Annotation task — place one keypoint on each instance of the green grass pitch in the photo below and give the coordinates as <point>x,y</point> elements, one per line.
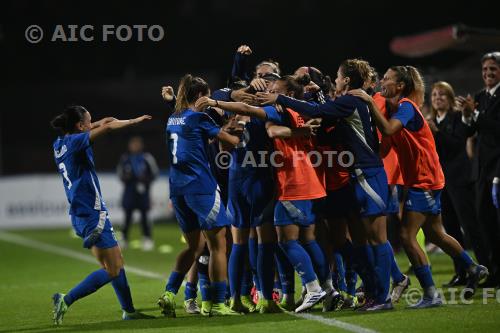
<point>31,273</point>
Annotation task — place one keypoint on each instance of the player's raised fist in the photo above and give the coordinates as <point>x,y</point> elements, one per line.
<point>167,93</point>
<point>244,49</point>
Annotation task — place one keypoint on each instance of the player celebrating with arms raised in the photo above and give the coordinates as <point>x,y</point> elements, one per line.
<point>89,216</point>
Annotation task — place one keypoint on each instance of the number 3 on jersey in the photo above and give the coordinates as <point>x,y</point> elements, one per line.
<point>174,137</point>
<point>62,167</point>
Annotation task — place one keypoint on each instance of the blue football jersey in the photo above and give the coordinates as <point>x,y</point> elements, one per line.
<point>188,133</point>
<point>75,162</point>
<point>251,155</point>
<point>354,125</point>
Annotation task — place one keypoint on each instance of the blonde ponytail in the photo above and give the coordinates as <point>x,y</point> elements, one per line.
<point>182,102</point>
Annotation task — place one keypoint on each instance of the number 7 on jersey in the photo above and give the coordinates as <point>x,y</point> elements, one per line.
<point>174,137</point>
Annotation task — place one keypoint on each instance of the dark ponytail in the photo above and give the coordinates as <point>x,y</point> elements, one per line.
<point>189,90</point>
<point>414,88</point>
<point>295,85</point>
<point>66,121</point>
<point>303,80</point>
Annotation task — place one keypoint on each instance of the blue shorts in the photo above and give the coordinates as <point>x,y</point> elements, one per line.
<point>371,189</point>
<point>395,197</point>
<point>424,201</point>
<point>298,212</point>
<point>340,202</point>
<point>84,225</point>
<point>199,211</point>
<point>246,206</point>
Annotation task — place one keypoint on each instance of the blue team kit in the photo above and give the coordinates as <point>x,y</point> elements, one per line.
<point>193,188</point>
<point>75,161</point>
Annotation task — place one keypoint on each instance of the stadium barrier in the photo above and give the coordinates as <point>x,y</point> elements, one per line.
<point>38,201</point>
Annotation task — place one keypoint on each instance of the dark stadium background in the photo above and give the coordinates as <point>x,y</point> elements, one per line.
<point>124,79</point>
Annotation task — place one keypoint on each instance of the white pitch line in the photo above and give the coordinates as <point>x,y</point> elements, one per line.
<point>65,252</point>
<point>333,322</point>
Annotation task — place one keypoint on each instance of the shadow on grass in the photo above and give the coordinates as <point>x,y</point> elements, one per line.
<point>183,322</point>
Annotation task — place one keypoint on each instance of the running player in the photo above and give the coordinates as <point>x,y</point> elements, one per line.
<point>413,142</point>
<point>89,216</point>
<point>194,194</point>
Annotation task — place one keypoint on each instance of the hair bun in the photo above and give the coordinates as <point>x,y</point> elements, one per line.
<point>304,79</point>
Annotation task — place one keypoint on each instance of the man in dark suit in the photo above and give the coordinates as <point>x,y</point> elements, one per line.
<point>483,114</point>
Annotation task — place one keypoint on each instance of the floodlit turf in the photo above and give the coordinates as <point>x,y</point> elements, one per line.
<point>29,277</point>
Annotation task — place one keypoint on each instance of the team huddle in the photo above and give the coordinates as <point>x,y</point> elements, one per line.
<point>315,167</point>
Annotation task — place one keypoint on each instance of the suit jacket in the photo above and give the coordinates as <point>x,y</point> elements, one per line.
<point>487,126</point>
<point>450,145</point>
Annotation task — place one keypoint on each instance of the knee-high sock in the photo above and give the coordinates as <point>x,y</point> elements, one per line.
<point>236,265</point>
<point>190,291</point>
<point>89,285</point>
<point>285,271</point>
<point>383,258</point>
<point>174,282</point>
<point>339,272</point>
<point>396,274</point>
<point>424,276</point>
<point>253,249</point>
<point>219,291</point>
<point>204,282</point>
<point>265,269</point>
<point>247,281</point>
<point>122,290</point>
<point>364,261</point>
<point>318,260</point>
<point>300,260</point>
<point>351,276</point>
<point>464,261</point>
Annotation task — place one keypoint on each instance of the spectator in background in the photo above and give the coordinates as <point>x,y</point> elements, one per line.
<point>482,113</point>
<point>457,199</point>
<point>137,170</point>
